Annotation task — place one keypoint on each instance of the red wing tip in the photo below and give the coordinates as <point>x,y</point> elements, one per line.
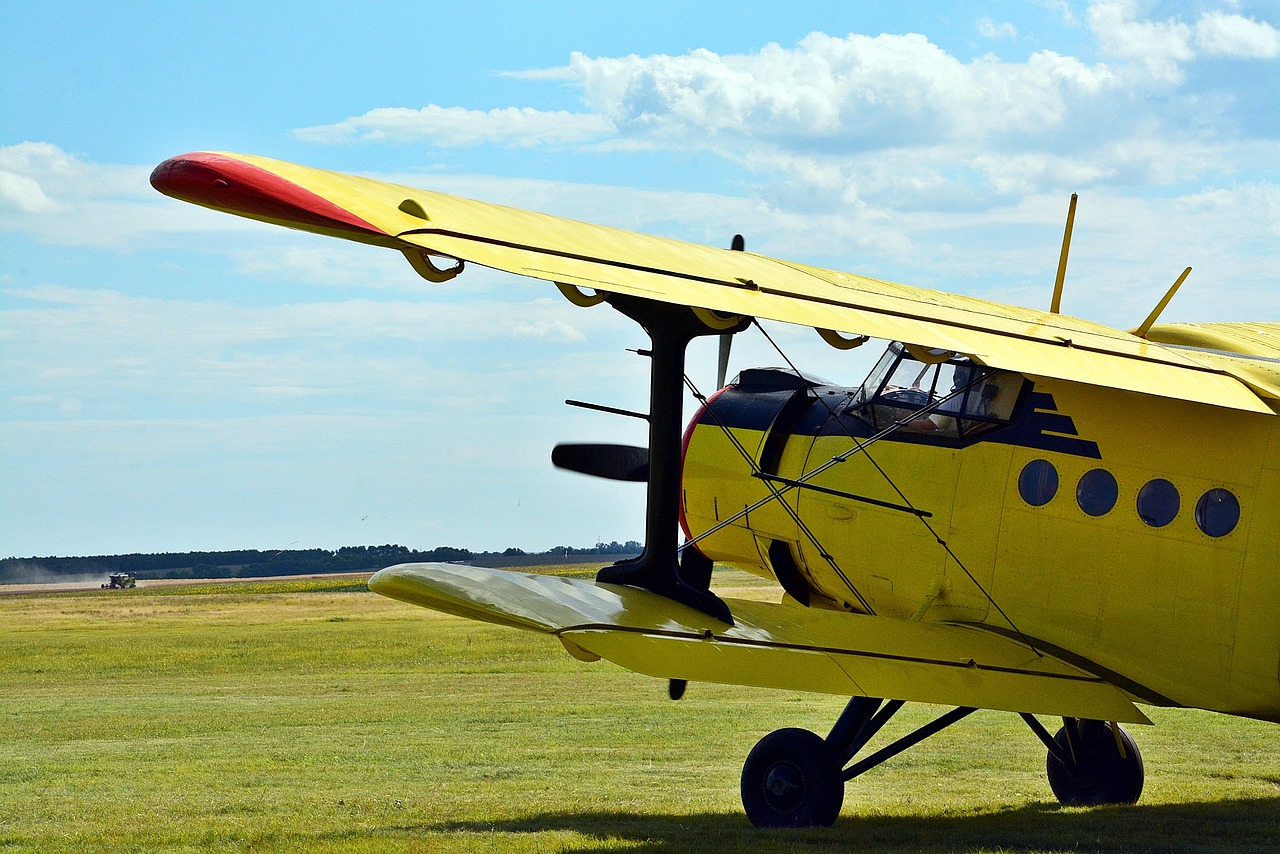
<point>163,176</point>
<point>197,170</point>
<point>227,183</point>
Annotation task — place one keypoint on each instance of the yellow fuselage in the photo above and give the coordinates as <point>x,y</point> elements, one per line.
<point>1171,614</point>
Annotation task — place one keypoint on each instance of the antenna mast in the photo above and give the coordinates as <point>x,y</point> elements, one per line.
<point>1142,330</point>
<point>1056,306</point>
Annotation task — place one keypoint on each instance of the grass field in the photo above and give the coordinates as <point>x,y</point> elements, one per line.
<point>313,715</point>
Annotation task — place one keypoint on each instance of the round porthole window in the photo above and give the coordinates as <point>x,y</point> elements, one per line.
<point>1038,482</point>
<point>1097,492</point>
<point>1217,512</point>
<point>1158,503</point>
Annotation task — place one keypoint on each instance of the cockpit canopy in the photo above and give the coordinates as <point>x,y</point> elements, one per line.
<point>936,393</point>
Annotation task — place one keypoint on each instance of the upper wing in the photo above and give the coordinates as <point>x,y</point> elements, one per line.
<point>617,261</point>
<point>769,646</point>
<point>1250,352</point>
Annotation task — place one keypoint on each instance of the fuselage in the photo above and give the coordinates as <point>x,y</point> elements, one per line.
<point>1136,536</point>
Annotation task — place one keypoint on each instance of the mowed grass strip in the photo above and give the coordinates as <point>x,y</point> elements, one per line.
<point>314,715</point>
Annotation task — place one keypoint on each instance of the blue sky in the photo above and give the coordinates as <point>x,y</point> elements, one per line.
<point>174,379</point>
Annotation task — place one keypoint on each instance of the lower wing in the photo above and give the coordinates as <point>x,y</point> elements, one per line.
<point>769,646</point>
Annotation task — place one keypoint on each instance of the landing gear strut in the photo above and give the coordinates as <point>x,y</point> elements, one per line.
<point>795,778</point>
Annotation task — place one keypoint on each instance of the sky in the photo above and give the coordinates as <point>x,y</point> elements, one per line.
<point>173,379</point>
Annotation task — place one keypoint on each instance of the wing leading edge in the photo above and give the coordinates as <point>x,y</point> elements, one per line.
<point>616,261</point>
<point>770,646</point>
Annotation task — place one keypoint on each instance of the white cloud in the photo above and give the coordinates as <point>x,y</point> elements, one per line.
<point>1023,174</point>
<point>1062,9</point>
<point>24,193</point>
<point>989,29</point>
<point>856,93</point>
<point>1159,46</point>
<point>1163,47</point>
<point>62,174</point>
<point>456,126</point>
<point>553,329</point>
<point>326,262</point>
<point>1220,34</point>
<point>852,93</point>
<point>41,158</point>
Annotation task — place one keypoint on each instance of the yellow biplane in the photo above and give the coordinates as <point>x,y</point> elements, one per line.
<point>1017,510</point>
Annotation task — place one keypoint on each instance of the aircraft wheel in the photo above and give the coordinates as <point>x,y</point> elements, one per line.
<point>1100,774</point>
<point>792,779</point>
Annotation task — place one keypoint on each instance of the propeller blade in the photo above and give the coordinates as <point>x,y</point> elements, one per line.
<point>722,366</point>
<point>614,462</point>
<point>738,244</point>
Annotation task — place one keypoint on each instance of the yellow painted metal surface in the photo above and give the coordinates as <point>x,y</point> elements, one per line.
<point>1246,339</point>
<point>1162,605</point>
<point>772,646</point>
<point>1249,351</point>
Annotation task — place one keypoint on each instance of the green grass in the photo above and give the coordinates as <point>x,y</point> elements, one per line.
<point>314,715</point>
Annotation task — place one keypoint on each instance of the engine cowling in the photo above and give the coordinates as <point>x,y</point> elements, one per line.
<point>751,429</point>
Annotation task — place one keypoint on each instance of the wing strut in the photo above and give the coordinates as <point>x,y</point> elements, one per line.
<point>663,567</point>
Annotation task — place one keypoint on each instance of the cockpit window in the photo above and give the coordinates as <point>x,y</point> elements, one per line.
<point>968,398</point>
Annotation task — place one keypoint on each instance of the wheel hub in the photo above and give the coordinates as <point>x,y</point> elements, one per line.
<point>784,787</point>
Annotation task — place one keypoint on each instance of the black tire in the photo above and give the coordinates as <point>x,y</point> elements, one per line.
<point>1100,774</point>
<point>792,779</point>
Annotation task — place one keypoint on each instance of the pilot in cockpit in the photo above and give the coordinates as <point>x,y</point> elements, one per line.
<point>966,396</point>
<point>972,397</point>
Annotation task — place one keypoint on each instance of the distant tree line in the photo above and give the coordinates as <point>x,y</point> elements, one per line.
<point>613,548</point>
<point>252,563</point>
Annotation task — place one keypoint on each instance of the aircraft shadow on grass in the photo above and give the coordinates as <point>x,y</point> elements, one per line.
<point>1246,825</point>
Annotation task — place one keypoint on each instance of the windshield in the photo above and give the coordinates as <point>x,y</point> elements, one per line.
<point>970,398</point>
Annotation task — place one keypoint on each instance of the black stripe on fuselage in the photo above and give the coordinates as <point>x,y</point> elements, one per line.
<point>1037,423</point>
